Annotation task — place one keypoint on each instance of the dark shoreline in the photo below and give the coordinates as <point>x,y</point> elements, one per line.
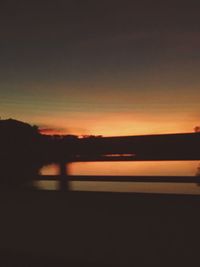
<point>45,228</point>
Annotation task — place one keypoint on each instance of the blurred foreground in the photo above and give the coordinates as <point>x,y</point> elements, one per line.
<point>43,228</point>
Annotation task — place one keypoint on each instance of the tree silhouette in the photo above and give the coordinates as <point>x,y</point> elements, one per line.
<point>197,129</point>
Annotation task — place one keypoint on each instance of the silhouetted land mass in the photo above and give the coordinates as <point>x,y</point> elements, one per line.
<point>18,152</point>
<point>24,150</point>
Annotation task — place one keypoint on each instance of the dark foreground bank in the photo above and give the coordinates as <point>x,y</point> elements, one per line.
<point>98,229</point>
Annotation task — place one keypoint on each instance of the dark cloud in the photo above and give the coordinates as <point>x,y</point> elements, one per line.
<point>51,131</point>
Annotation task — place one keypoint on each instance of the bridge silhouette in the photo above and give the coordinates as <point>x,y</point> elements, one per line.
<point>168,147</point>
<point>24,151</point>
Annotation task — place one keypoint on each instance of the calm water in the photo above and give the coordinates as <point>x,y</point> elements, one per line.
<point>165,168</point>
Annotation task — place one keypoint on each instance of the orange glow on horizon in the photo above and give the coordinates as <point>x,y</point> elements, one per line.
<point>121,124</point>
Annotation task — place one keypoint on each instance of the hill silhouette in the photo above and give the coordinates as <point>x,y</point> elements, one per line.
<point>18,152</point>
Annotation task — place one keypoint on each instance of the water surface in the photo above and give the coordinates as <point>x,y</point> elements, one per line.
<point>150,168</point>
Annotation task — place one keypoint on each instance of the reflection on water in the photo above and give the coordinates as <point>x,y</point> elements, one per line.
<point>46,185</point>
<point>165,168</point>
<point>51,169</point>
<point>166,188</point>
<point>149,168</point>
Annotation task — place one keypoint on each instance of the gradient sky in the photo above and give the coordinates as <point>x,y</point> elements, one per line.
<point>101,67</point>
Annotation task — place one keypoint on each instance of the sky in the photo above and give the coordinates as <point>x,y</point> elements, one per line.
<point>98,67</point>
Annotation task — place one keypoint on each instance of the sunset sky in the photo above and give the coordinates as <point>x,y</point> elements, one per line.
<point>101,67</point>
